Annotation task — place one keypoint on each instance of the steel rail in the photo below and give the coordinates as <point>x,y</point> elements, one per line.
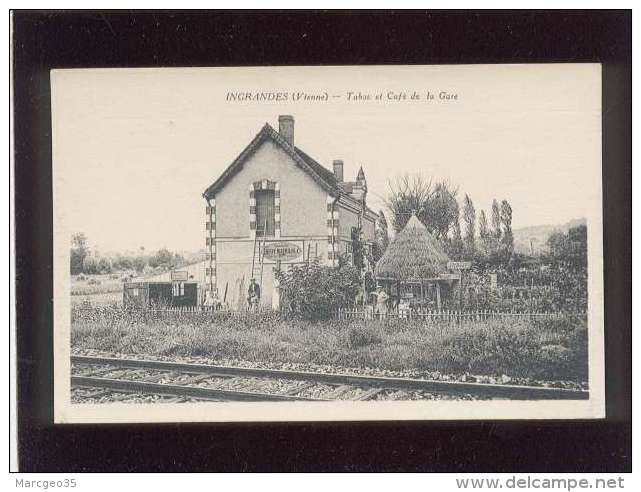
<point>129,386</point>
<point>483,390</point>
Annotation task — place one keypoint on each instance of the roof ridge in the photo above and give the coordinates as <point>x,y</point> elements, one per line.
<point>414,223</point>
<point>414,252</point>
<point>318,172</point>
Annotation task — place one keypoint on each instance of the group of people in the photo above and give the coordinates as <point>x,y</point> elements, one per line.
<point>381,298</point>
<point>380,301</point>
<point>253,296</point>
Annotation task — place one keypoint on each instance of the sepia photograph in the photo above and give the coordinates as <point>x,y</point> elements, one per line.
<point>328,243</point>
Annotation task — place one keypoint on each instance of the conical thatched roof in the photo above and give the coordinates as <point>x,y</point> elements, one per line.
<point>414,254</point>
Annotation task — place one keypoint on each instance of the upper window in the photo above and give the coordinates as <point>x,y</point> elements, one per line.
<point>265,212</point>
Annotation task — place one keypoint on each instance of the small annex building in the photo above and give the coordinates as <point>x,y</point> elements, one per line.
<point>148,294</point>
<point>414,266</point>
<point>275,206</point>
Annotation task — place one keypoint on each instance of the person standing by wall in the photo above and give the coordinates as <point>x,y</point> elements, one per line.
<point>253,294</point>
<point>276,292</point>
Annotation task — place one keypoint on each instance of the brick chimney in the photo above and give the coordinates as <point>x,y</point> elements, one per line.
<point>338,170</point>
<point>286,128</point>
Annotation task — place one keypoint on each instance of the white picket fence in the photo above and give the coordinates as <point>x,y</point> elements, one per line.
<point>366,313</point>
<point>440,315</point>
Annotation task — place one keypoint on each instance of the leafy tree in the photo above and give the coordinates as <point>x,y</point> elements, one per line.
<point>178,260</point>
<point>79,251</point>
<point>579,234</point>
<point>104,265</point>
<point>484,232</point>
<point>507,239</point>
<point>121,262</point>
<point>90,265</point>
<point>496,219</point>
<point>440,213</point>
<point>139,263</point>
<point>469,217</point>
<point>358,251</point>
<point>454,246</point>
<point>572,247</point>
<point>558,243</point>
<point>163,258</point>
<point>381,236</point>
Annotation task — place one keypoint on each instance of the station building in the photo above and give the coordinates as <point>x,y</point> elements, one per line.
<point>276,206</point>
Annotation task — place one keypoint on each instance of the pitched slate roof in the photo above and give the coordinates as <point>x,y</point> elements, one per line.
<point>321,170</point>
<point>324,177</point>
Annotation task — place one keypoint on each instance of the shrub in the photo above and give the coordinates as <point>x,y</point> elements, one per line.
<point>360,336</point>
<point>313,292</point>
<point>93,281</point>
<point>495,348</point>
<point>485,350</point>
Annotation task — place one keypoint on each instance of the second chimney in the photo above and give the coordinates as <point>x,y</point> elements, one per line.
<point>338,170</point>
<point>286,128</point>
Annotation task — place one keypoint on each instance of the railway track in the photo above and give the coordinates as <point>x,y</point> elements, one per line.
<point>105,379</point>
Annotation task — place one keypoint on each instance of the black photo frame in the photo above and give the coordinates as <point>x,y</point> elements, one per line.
<point>44,40</point>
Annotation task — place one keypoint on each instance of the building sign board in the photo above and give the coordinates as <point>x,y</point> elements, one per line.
<point>282,251</point>
<point>459,265</point>
<point>450,276</point>
<point>179,276</point>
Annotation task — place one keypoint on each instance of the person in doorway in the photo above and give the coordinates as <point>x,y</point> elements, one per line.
<point>381,302</point>
<point>253,294</point>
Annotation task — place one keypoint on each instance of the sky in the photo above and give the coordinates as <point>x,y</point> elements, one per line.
<point>134,149</point>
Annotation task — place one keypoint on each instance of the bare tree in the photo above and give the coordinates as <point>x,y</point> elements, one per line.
<point>441,211</point>
<point>407,194</point>
<point>434,205</point>
<point>79,251</point>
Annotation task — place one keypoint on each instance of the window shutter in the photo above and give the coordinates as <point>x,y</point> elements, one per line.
<point>265,213</point>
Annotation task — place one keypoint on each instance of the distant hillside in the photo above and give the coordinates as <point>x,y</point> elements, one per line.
<point>539,235</point>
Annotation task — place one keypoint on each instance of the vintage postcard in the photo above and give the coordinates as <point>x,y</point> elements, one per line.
<point>328,243</point>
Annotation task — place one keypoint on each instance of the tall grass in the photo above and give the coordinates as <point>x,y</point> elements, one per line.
<point>82,285</point>
<point>551,349</point>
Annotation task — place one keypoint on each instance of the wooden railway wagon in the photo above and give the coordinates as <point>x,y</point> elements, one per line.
<point>143,295</point>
